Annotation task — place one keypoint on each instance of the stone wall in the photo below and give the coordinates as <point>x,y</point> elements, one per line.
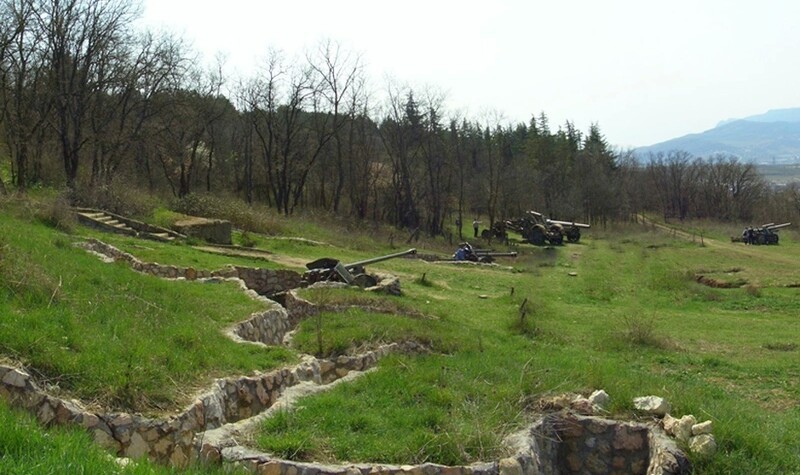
<point>560,442</point>
<point>591,446</point>
<point>263,281</point>
<point>172,440</point>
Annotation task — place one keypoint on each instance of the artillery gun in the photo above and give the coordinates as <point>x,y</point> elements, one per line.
<point>765,235</point>
<point>466,252</point>
<point>538,230</point>
<point>327,268</point>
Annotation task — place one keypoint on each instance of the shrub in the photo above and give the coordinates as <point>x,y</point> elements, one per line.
<point>641,331</point>
<point>523,323</point>
<point>247,240</point>
<point>118,198</point>
<point>246,217</point>
<point>753,290</point>
<point>57,213</point>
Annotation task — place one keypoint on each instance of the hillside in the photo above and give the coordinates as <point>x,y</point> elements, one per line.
<point>769,138</point>
<point>486,346</point>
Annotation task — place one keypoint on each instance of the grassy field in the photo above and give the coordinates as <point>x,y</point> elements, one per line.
<point>620,311</point>
<point>106,334</point>
<point>632,321</point>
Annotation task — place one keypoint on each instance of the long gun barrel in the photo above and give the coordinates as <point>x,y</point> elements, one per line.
<point>569,223</point>
<point>487,252</point>
<point>773,227</point>
<point>380,259</point>
<point>325,268</point>
<point>329,263</point>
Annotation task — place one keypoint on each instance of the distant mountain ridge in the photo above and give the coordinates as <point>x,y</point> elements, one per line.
<point>772,137</point>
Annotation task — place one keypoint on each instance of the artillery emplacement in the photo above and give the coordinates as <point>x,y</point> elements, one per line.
<point>329,269</point>
<point>764,235</point>
<point>538,230</point>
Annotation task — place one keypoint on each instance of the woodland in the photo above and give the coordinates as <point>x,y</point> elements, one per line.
<point>94,105</point>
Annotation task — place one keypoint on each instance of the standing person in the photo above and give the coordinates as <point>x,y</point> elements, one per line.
<point>475,225</point>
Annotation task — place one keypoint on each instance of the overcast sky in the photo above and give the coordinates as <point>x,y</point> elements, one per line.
<point>644,71</point>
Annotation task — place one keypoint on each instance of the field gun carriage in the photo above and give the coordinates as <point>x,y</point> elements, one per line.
<point>536,229</point>
<point>466,252</point>
<point>765,235</point>
<point>329,269</point>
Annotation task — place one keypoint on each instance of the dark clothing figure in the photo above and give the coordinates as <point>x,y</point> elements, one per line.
<point>475,225</point>
<point>749,236</point>
<point>464,252</point>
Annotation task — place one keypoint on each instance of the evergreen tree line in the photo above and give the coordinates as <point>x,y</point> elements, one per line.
<point>91,103</point>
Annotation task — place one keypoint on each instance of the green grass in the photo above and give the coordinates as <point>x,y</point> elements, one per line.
<point>26,448</point>
<point>177,253</point>
<point>103,332</point>
<point>632,320</point>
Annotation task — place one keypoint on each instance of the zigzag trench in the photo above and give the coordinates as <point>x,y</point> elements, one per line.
<point>207,430</point>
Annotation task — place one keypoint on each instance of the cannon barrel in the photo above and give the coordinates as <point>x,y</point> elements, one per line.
<point>773,227</point>
<point>483,252</point>
<point>767,225</point>
<point>380,259</point>
<point>569,223</point>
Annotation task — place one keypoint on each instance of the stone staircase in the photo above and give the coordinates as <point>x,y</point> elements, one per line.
<point>115,223</point>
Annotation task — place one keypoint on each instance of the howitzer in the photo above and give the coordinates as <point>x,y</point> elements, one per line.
<point>766,234</point>
<point>328,268</point>
<point>538,230</point>
<point>773,226</point>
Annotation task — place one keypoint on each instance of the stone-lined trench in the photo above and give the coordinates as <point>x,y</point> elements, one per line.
<point>207,429</point>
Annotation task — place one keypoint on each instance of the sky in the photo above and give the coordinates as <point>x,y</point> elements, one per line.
<point>643,71</point>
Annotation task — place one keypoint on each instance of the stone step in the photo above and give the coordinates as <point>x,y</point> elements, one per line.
<point>162,236</point>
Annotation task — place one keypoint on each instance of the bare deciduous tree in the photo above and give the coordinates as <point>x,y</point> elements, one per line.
<point>81,37</point>
<point>23,100</point>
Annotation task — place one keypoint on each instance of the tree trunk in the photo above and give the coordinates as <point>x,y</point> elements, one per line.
<point>22,166</point>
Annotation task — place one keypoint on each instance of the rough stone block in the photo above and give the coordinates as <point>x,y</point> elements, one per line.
<point>703,445</point>
<point>628,438</point>
<point>270,468</point>
<point>510,466</point>
<point>178,458</point>
<point>706,427</point>
<point>600,399</point>
<point>16,378</point>
<point>216,231</point>
<point>654,405</point>
<point>138,447</point>
<point>104,439</point>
